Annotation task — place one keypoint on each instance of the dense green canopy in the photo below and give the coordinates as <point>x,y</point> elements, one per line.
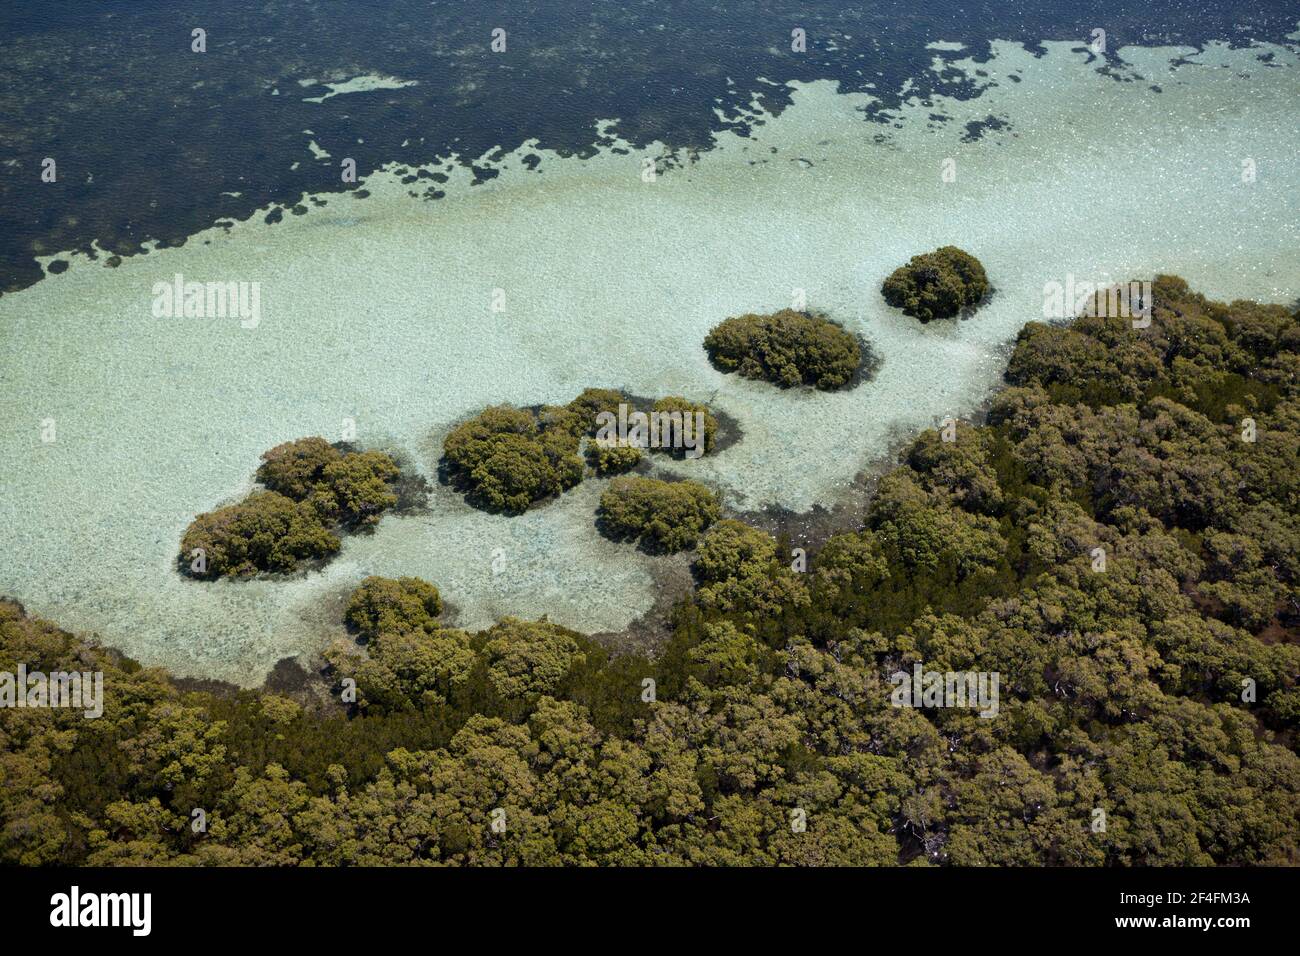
<point>937,285</point>
<point>667,516</point>
<point>786,348</point>
<point>264,532</point>
<point>1119,547</point>
<point>313,488</point>
<point>512,457</point>
<point>509,459</point>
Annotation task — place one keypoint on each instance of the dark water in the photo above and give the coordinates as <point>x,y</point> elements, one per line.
<point>149,137</point>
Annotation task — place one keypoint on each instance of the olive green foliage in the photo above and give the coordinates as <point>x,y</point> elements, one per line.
<point>672,440</point>
<point>610,458</point>
<point>667,516</point>
<point>294,468</point>
<point>387,604</point>
<point>525,658</point>
<point>786,348</point>
<point>605,457</point>
<point>409,659</point>
<point>1121,682</point>
<point>509,459</point>
<point>591,403</point>
<point>740,573</point>
<point>264,532</point>
<point>349,487</point>
<point>313,486</point>
<point>937,285</point>
<point>356,489</point>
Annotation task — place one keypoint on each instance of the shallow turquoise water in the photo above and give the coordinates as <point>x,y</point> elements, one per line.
<point>381,312</point>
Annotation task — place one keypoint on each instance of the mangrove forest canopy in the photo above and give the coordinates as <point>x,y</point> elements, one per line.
<point>1119,541</point>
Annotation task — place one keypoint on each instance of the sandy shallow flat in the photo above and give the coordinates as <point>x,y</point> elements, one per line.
<point>380,311</point>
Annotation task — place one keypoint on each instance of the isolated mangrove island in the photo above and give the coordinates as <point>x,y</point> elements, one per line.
<point>937,285</point>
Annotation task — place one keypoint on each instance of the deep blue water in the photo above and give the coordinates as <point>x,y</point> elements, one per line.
<point>150,138</point>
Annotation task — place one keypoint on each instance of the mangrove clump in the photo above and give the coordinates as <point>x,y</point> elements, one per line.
<point>508,459</point>
<point>312,488</point>
<point>666,516</point>
<point>937,285</point>
<point>786,348</point>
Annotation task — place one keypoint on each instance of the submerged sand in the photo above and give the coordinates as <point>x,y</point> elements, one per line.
<point>381,311</point>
